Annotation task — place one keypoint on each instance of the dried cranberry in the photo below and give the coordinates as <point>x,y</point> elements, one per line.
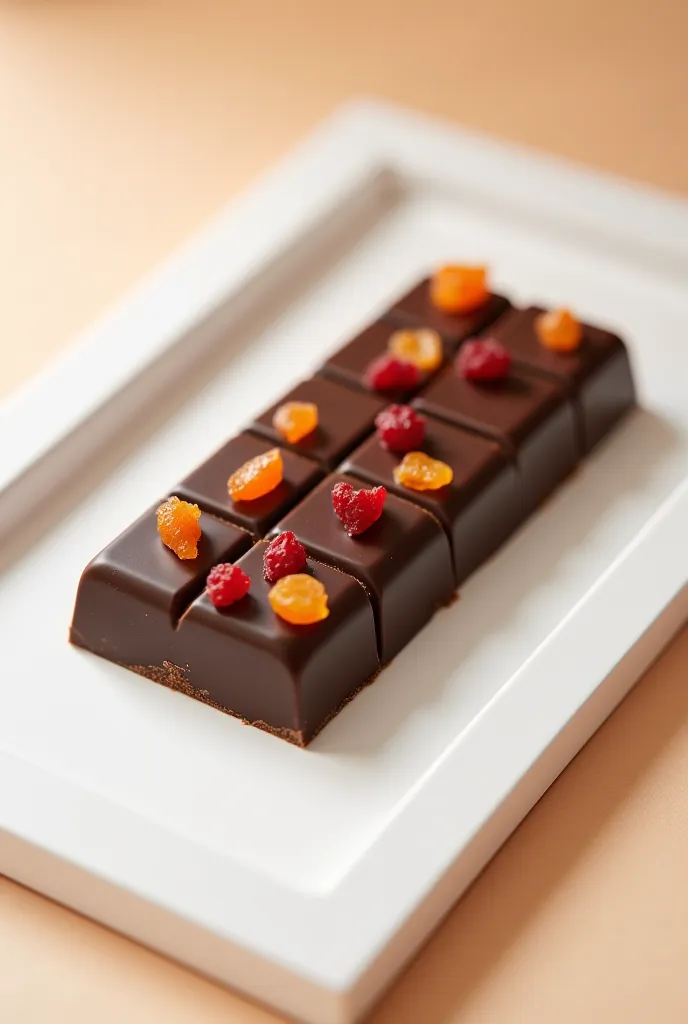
<point>483,359</point>
<point>400,428</point>
<point>387,373</point>
<point>284,556</point>
<point>226,584</point>
<point>358,510</point>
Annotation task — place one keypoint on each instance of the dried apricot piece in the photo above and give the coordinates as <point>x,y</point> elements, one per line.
<point>178,526</point>
<point>559,330</point>
<point>422,347</point>
<point>299,599</point>
<point>295,420</point>
<point>257,477</point>
<point>419,472</point>
<point>459,289</point>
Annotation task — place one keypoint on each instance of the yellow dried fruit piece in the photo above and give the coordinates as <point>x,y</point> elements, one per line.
<point>423,348</point>
<point>559,331</point>
<point>299,599</point>
<point>295,420</point>
<point>419,472</point>
<point>257,477</point>
<point>178,526</point>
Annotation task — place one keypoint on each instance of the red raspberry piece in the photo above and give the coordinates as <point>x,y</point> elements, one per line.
<point>284,556</point>
<point>400,428</point>
<point>387,373</point>
<point>226,584</point>
<point>358,510</point>
<point>483,359</point>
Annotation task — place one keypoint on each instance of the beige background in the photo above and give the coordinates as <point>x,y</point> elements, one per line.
<point>122,127</point>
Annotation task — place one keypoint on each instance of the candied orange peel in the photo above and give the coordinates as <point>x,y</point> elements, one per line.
<point>178,526</point>
<point>422,347</point>
<point>559,330</point>
<point>299,599</point>
<point>459,289</point>
<point>257,477</point>
<point>295,420</point>
<point>419,472</point>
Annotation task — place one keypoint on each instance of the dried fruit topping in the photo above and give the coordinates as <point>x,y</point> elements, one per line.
<point>295,420</point>
<point>358,510</point>
<point>283,556</point>
<point>559,331</point>
<point>400,428</point>
<point>387,373</point>
<point>422,347</point>
<point>178,526</point>
<point>459,289</point>
<point>226,584</point>
<point>299,599</point>
<point>483,359</point>
<point>419,472</point>
<point>257,477</point>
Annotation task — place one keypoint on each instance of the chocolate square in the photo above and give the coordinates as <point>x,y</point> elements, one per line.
<point>207,485</point>
<point>479,509</point>
<point>598,374</point>
<point>287,679</point>
<point>403,560</point>
<point>345,417</point>
<point>132,594</point>
<point>349,363</point>
<point>416,309</point>
<point>530,415</point>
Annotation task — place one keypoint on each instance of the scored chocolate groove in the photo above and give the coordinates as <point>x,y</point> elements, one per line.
<point>508,443</point>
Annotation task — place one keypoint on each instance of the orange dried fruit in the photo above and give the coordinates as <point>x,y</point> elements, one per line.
<point>257,477</point>
<point>299,599</point>
<point>422,347</point>
<point>419,472</point>
<point>459,289</point>
<point>178,526</point>
<point>559,330</point>
<point>295,420</point>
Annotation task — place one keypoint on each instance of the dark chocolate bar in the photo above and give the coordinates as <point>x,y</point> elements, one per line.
<point>416,309</point>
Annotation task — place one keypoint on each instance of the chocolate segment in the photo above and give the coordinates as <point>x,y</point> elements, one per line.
<point>598,374</point>
<point>132,593</point>
<point>403,560</point>
<point>289,679</point>
<point>529,415</point>
<point>350,363</point>
<point>345,417</point>
<point>207,485</point>
<point>479,509</point>
<point>416,309</point>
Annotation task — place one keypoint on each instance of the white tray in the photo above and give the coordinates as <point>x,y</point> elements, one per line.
<point>307,878</point>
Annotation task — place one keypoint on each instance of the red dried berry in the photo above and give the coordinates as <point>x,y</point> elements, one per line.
<point>400,428</point>
<point>358,510</point>
<point>483,359</point>
<point>226,584</point>
<point>284,556</point>
<point>387,373</point>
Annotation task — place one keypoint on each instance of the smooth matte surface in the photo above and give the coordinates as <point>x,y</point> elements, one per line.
<point>416,309</point>
<point>115,125</point>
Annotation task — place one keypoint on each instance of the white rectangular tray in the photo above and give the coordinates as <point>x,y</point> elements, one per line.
<point>307,878</point>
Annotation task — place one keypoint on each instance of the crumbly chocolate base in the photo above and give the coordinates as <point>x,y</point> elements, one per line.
<point>175,678</point>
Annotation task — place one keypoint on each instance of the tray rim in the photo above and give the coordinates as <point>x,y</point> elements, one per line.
<point>330,962</point>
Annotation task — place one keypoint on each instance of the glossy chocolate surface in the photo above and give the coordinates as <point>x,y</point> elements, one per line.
<point>403,560</point>
<point>207,485</point>
<point>598,373</point>
<point>132,593</point>
<point>290,679</point>
<point>479,509</point>
<point>415,308</point>
<point>345,418</point>
<point>349,363</point>
<point>530,415</point>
